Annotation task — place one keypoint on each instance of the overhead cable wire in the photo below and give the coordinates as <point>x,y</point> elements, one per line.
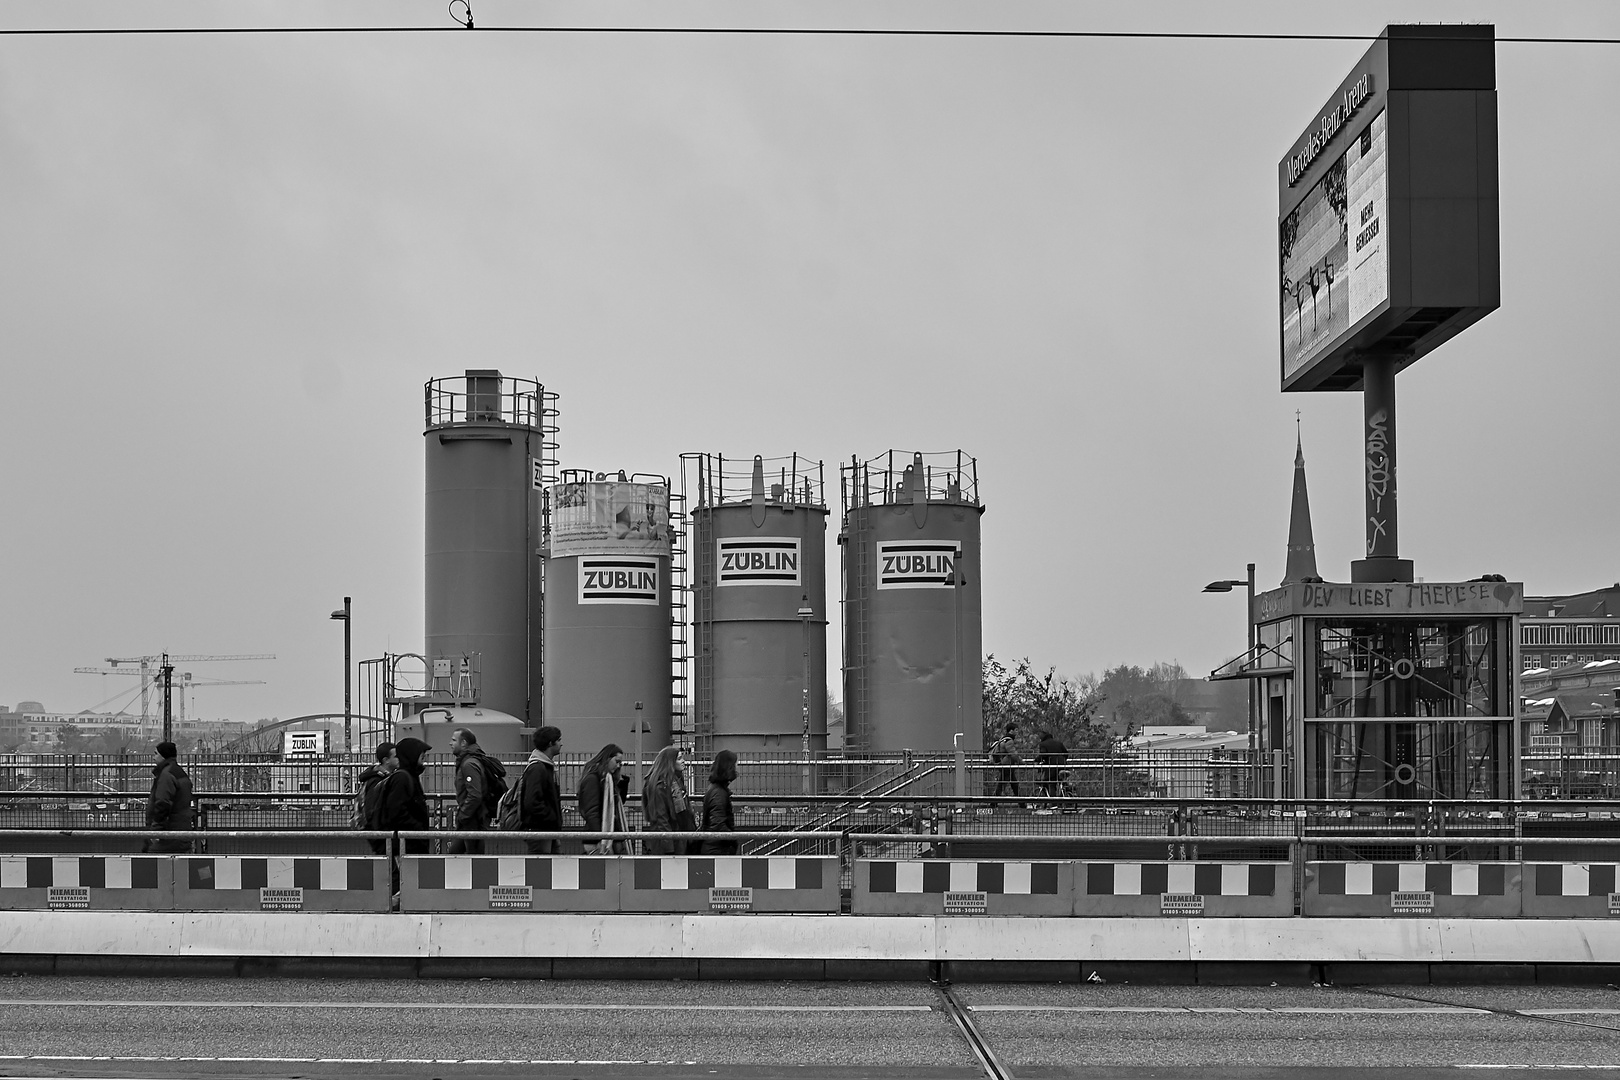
<point>769,31</point>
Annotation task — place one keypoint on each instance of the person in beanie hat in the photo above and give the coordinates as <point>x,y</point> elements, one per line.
<point>168,807</point>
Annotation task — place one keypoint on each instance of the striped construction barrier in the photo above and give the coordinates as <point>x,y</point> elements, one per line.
<point>704,883</point>
<point>91,882</point>
<point>244,882</point>
<point>1217,889</point>
<point>1444,889</point>
<point>509,883</point>
<point>962,887</point>
<point>1570,890</point>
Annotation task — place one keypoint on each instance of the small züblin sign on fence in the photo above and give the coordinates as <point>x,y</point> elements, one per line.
<point>511,897</point>
<point>967,903</point>
<point>1181,903</point>
<point>67,896</point>
<point>281,899</point>
<point>1411,903</point>
<point>731,899</point>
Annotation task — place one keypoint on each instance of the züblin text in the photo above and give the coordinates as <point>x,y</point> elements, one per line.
<point>621,581</point>
<point>1334,119</point>
<point>743,561</point>
<point>927,564</point>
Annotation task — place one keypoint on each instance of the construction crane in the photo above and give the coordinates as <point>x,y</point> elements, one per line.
<point>188,682</point>
<point>151,666</point>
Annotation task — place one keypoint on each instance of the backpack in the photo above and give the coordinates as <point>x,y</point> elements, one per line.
<point>494,784</point>
<point>1001,752</point>
<point>364,807</point>
<point>508,815</point>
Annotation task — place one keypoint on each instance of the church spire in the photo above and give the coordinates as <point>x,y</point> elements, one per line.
<point>1301,545</point>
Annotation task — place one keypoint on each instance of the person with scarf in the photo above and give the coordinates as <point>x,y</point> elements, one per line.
<point>603,789</point>
<point>665,805</point>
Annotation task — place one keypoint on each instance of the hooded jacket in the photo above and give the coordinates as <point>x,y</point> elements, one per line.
<point>541,809</point>
<point>403,805</point>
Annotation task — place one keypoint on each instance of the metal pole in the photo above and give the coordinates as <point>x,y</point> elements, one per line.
<point>956,588</point>
<point>348,712</point>
<point>804,737</point>
<point>168,689</point>
<point>1254,720</point>
<point>637,780</point>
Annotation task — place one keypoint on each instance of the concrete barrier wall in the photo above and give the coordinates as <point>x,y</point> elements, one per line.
<point>1440,889</point>
<point>683,883</point>
<point>251,883</point>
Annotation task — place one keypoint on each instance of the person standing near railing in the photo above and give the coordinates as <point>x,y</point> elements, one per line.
<point>717,815</point>
<point>403,804</point>
<point>1054,758</point>
<point>168,807</point>
<point>603,789</point>
<point>541,809</point>
<point>665,804</point>
<point>1004,756</point>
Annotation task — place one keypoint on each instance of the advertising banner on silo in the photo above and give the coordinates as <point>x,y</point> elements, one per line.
<point>607,517</point>
<point>917,564</point>
<point>618,579</point>
<point>751,561</point>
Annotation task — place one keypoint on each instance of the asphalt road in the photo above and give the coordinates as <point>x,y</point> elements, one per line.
<point>459,1030</point>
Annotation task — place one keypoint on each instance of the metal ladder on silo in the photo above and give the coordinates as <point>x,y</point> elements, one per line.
<point>857,711</point>
<point>679,591</point>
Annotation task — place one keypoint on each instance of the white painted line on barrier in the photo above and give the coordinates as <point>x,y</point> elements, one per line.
<point>523,1006</point>
<point>1280,1010</point>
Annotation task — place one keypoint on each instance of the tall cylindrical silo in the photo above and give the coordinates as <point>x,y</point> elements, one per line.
<point>491,445</point>
<point>759,604</point>
<point>608,633</point>
<point>913,627</point>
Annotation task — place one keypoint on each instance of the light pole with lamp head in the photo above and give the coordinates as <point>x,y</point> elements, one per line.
<point>805,615</point>
<point>1227,585</point>
<point>348,713</point>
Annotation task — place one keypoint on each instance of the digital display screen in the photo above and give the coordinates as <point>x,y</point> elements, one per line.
<point>1334,250</point>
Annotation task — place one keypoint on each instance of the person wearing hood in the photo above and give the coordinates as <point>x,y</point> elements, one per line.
<point>480,780</point>
<point>168,807</point>
<point>541,808</point>
<point>403,805</point>
<point>603,789</point>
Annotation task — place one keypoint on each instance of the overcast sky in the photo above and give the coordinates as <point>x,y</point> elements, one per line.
<point>230,263</point>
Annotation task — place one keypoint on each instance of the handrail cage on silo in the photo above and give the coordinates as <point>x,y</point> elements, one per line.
<point>799,481</point>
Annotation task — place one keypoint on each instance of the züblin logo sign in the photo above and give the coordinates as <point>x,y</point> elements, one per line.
<point>917,564</point>
<point>1316,141</point>
<point>754,561</point>
<point>618,579</point>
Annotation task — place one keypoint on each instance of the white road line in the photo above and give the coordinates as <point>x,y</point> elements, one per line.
<point>1281,1010</point>
<point>526,1006</point>
<point>344,1061</point>
<point>1568,1012</point>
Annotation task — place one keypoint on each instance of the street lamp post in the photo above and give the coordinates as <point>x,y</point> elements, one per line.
<point>348,714</point>
<point>1227,585</point>
<point>805,614</point>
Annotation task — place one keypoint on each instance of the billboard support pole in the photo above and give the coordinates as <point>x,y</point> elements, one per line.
<point>1383,562</point>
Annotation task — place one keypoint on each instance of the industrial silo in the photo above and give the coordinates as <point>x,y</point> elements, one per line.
<point>758,576</point>
<point>912,616</point>
<point>609,639</point>
<point>491,449</point>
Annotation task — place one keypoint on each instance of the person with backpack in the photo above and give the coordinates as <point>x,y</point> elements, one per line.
<point>602,791</point>
<point>1004,756</point>
<point>480,782</point>
<point>368,788</point>
<point>541,806</point>
<point>665,805</point>
<point>717,815</point>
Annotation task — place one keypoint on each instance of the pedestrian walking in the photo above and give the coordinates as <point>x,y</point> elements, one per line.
<point>542,801</point>
<point>665,804</point>
<point>168,807</point>
<point>368,793</point>
<point>402,805</point>
<point>1004,756</point>
<point>1054,757</point>
<point>603,790</point>
<point>480,782</point>
<point>717,805</point>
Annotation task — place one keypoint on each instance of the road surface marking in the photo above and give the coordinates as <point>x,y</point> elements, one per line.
<point>1348,1010</point>
<point>527,1006</point>
<point>341,1061</point>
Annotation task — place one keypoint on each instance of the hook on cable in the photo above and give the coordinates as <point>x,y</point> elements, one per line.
<point>466,6</point>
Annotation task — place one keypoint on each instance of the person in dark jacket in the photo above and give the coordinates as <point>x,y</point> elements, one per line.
<point>168,807</point>
<point>1054,756</point>
<point>369,786</point>
<point>717,804</point>
<point>603,789</point>
<point>476,777</point>
<point>541,808</point>
<point>665,805</point>
<point>402,807</point>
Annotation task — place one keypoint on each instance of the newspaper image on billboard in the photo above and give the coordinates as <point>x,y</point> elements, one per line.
<point>608,517</point>
<point>618,579</point>
<point>750,561</point>
<point>1334,249</point>
<point>917,564</point>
